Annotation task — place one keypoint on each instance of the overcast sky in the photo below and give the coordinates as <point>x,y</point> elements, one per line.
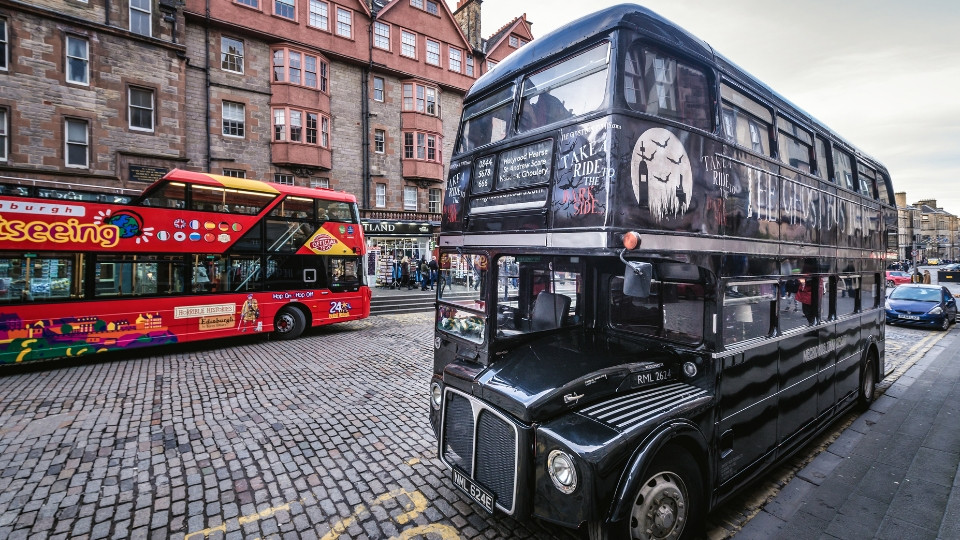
<point>885,75</point>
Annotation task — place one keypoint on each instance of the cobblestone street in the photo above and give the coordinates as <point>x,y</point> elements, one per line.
<point>318,437</point>
<point>325,436</point>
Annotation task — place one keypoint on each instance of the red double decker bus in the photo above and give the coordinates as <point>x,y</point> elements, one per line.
<point>195,256</point>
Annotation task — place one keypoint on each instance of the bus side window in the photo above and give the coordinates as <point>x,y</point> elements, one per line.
<point>659,84</point>
<point>747,311</point>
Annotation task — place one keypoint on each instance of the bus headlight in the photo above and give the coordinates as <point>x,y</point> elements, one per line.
<point>436,395</point>
<point>562,472</point>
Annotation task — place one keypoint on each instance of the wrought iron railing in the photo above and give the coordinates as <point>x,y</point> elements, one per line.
<point>399,215</point>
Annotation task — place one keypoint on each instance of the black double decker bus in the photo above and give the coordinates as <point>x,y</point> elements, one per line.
<point>658,279</point>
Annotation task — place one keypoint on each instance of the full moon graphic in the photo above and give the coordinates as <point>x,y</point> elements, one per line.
<point>661,173</point>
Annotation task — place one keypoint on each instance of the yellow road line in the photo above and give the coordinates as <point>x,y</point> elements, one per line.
<point>242,520</point>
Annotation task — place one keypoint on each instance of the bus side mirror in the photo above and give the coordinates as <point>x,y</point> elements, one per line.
<point>636,279</point>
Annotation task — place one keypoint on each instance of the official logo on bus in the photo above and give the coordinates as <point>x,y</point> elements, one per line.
<point>323,242</point>
<point>661,174</point>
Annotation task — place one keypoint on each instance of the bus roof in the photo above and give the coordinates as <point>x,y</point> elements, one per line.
<point>256,185</point>
<point>584,29</point>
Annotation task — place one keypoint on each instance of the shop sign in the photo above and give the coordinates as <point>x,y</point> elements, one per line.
<point>396,228</point>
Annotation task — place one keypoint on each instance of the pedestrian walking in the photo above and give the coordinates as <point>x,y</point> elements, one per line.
<point>432,265</point>
<point>405,273</point>
<point>425,274</point>
<point>926,276</point>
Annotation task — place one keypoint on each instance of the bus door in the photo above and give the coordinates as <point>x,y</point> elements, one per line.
<point>800,361</point>
<point>747,427</point>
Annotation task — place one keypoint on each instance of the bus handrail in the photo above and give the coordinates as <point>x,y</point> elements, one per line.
<point>71,185</point>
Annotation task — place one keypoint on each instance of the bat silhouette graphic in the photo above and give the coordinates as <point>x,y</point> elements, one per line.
<point>664,180</point>
<point>679,161</point>
<point>663,144</point>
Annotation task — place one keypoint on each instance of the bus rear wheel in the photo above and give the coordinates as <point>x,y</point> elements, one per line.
<point>868,384</point>
<point>289,323</point>
<point>668,504</point>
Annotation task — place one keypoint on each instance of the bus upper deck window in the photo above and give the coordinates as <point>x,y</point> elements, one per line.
<point>485,121</point>
<point>658,84</point>
<point>569,88</point>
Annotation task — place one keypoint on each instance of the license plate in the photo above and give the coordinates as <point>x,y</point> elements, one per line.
<point>480,495</point>
<point>910,317</point>
<point>652,376</point>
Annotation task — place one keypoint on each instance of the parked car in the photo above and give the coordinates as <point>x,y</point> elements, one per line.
<point>916,304</point>
<point>896,277</point>
<point>951,267</point>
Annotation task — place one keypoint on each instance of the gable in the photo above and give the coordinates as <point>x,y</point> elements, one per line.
<point>440,26</point>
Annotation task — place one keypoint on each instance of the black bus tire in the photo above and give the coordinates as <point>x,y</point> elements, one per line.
<point>868,384</point>
<point>289,323</point>
<point>669,503</point>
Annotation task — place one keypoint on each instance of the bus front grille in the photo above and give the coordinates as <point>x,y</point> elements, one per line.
<point>483,443</point>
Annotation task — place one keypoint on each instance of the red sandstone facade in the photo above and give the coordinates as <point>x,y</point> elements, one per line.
<point>356,95</point>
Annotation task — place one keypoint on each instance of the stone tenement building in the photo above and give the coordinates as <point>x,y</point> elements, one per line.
<point>356,95</point>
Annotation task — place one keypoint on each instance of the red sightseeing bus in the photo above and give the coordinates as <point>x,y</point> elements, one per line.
<point>195,256</point>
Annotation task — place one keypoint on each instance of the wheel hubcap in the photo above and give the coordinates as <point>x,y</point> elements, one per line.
<point>284,323</point>
<point>660,511</point>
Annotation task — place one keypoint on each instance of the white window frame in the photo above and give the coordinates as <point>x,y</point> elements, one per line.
<point>381,200</point>
<point>4,143</point>
<point>455,59</point>
<point>279,125</point>
<point>285,179</point>
<point>344,21</point>
<point>320,183</point>
<point>410,202</point>
<point>433,56</point>
<point>236,114</point>
<point>235,173</point>
<point>324,131</point>
<point>319,15</point>
<point>227,58</point>
<point>432,7</point>
<point>470,71</point>
<point>434,197</point>
<point>137,14</point>
<point>381,35</point>
<point>85,60</point>
<point>85,143</point>
<point>4,46</point>
<point>379,90</point>
<point>131,108</point>
<point>408,41</point>
<point>514,41</point>
<point>379,141</point>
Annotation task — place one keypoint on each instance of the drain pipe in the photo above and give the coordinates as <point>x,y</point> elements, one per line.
<point>206,76</point>
<point>365,120</point>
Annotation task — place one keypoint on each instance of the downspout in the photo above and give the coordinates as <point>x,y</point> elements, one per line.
<point>365,117</point>
<point>206,76</point>
<point>106,12</point>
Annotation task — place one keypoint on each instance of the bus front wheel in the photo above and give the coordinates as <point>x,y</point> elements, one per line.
<point>669,503</point>
<point>289,323</point>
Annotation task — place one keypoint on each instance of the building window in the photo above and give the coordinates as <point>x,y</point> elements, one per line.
<point>279,125</point>
<point>325,132</point>
<point>426,99</point>
<point>312,128</point>
<point>421,146</point>
<point>141,109</point>
<point>381,195</point>
<point>433,201</point>
<point>379,141</point>
<point>433,52</point>
<point>320,183</point>
<point>286,179</point>
<point>285,8</point>
<point>299,68</point>
<point>417,4</point>
<point>296,126</point>
<point>381,35</point>
<point>231,54</point>
<point>3,135</point>
<point>432,7</point>
<point>408,44</point>
<point>514,42</point>
<point>344,22</point>
<point>78,60</point>
<point>140,15</point>
<point>319,15</point>
<point>252,3</point>
<point>491,64</point>
<point>234,119</point>
<point>77,143</point>
<point>470,65</point>
<point>378,89</point>
<point>410,198</point>
<point>235,173</point>
<point>3,45</point>
<point>455,59</point>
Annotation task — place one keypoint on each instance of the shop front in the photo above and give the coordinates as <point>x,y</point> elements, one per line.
<point>388,242</point>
